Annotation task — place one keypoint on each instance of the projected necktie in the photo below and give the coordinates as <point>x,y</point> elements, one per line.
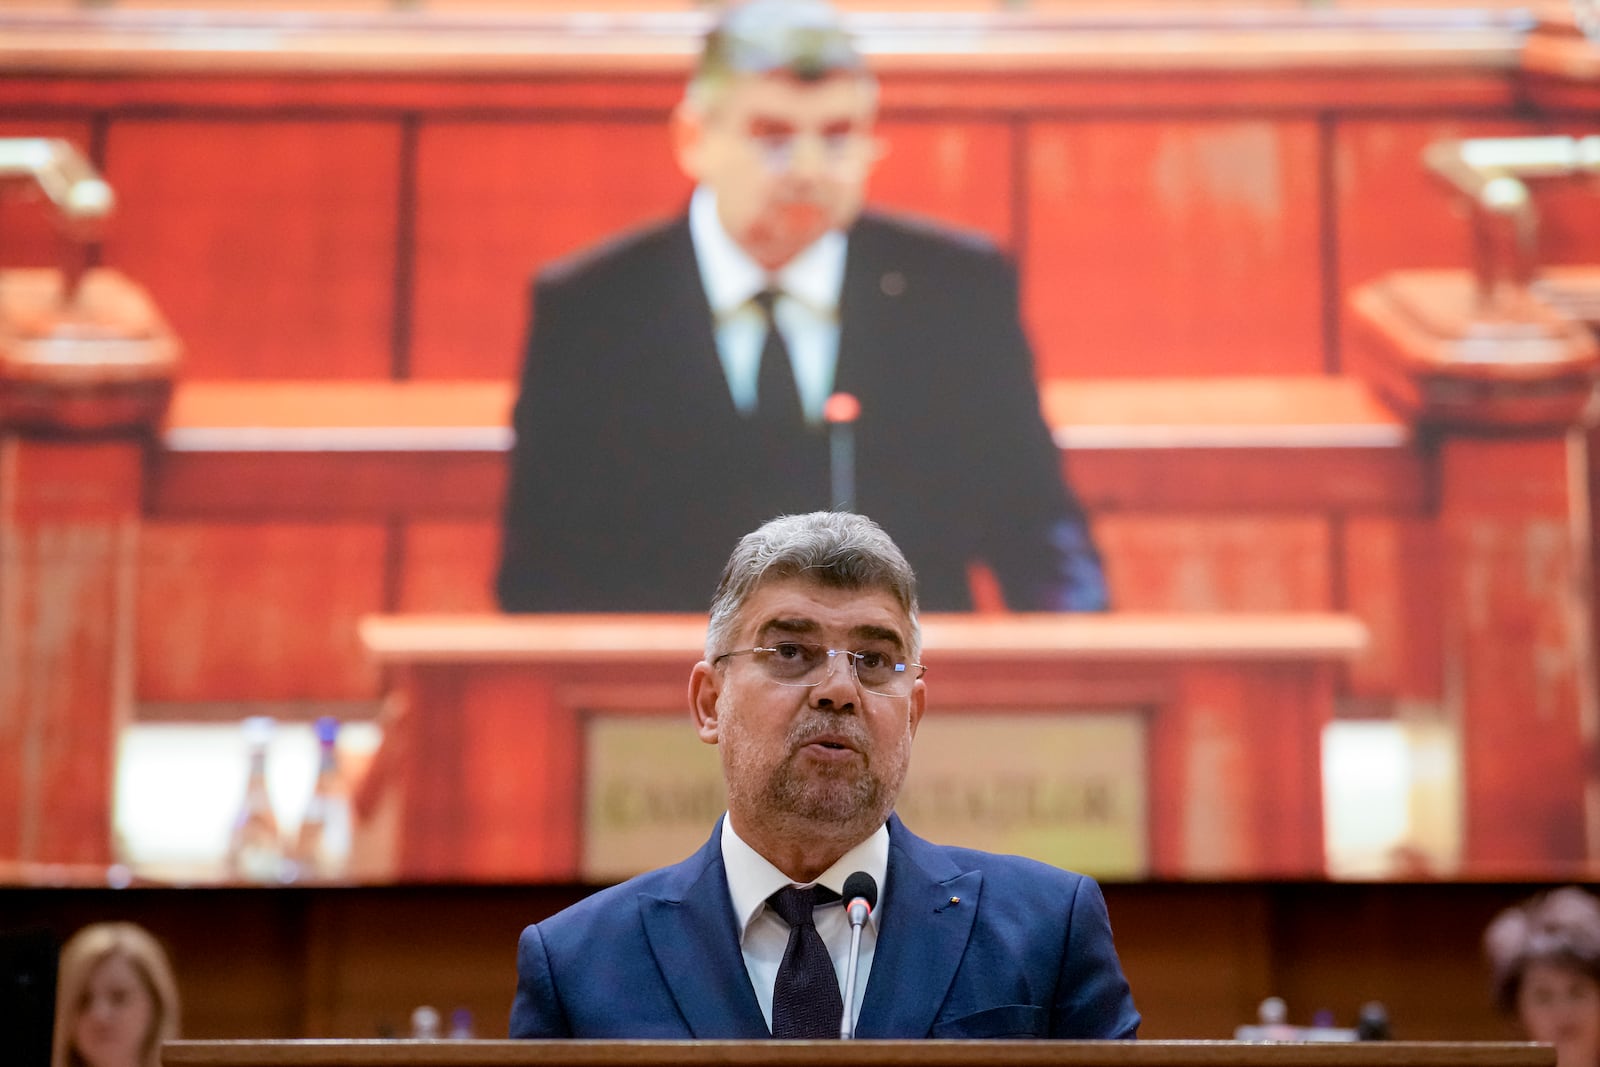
<point>805,1000</point>
<point>777,399</point>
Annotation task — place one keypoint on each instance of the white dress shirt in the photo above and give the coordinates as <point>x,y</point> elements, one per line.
<point>763,935</point>
<point>807,312</point>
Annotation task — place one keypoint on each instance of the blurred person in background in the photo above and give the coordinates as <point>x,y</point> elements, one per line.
<point>1545,959</point>
<point>116,999</point>
<point>675,388</point>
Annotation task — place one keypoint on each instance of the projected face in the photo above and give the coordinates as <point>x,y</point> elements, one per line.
<point>1561,1005</point>
<point>115,1015</point>
<point>788,159</point>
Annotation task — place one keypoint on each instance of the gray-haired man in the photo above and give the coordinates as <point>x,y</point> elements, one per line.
<point>812,689</point>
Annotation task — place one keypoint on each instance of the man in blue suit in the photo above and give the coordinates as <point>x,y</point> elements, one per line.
<point>812,690</point>
<point>646,439</point>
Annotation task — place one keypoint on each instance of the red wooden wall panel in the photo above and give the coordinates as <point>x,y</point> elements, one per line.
<point>269,245</point>
<point>1514,622</point>
<point>449,566</point>
<point>496,201</point>
<point>1173,247</point>
<point>959,172</point>
<point>1206,563</point>
<point>257,611</point>
<point>1392,578</point>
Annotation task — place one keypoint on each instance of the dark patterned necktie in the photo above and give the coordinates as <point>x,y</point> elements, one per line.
<point>777,398</point>
<point>805,1000</point>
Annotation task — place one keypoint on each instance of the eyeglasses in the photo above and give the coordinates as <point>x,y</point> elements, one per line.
<point>796,663</point>
<point>833,149</point>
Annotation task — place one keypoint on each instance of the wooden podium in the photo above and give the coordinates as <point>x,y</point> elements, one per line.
<point>851,1054</point>
<point>485,751</point>
<point>85,374</point>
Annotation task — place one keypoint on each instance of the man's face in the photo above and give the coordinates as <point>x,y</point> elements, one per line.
<point>788,159</point>
<point>800,759</point>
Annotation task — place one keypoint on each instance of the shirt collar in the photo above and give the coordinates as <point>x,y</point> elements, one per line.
<point>752,878</point>
<point>730,277</point>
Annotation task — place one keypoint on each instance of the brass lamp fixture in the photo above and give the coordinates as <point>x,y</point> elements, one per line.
<point>81,199</point>
<point>1491,173</point>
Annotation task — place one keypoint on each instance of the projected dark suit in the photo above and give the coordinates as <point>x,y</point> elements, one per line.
<point>633,471</point>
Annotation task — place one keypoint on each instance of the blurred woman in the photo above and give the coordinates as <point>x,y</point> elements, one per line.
<point>1545,959</point>
<point>116,999</point>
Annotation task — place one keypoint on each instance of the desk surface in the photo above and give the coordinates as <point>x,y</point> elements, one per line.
<point>1241,412</point>
<point>670,638</point>
<point>863,1053</point>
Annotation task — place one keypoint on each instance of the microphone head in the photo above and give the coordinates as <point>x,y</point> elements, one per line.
<point>861,886</point>
<point>841,407</point>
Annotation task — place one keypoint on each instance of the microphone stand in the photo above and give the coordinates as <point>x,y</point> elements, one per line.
<point>860,896</point>
<point>840,413</point>
<point>847,1024</point>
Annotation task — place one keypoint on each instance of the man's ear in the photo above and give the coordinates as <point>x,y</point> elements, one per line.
<point>919,703</point>
<point>705,688</point>
<point>688,129</point>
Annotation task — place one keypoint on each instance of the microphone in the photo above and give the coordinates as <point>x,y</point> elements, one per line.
<point>840,413</point>
<point>860,897</point>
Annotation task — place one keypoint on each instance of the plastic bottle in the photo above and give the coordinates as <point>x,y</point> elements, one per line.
<point>1373,1022</point>
<point>322,846</point>
<point>1272,1023</point>
<point>255,849</point>
<point>425,1023</point>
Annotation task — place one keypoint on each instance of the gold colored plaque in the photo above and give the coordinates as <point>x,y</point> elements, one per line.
<point>1068,788</point>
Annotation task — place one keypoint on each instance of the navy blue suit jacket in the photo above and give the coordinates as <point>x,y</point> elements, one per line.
<point>972,945</point>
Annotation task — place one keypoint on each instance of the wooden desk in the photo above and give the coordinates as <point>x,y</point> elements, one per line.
<point>308,449</point>
<point>489,735</point>
<point>851,1054</point>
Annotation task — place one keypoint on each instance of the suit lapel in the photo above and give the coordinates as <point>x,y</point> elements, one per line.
<point>682,322</point>
<point>692,935</point>
<point>869,285</point>
<point>929,908</point>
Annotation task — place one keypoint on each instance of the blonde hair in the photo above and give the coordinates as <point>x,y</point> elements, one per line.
<point>87,950</point>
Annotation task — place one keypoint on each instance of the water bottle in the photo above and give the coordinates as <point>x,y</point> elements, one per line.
<point>255,849</point>
<point>322,846</point>
<point>425,1023</point>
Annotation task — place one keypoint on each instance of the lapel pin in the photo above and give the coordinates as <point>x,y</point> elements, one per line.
<point>955,900</point>
<point>893,283</point>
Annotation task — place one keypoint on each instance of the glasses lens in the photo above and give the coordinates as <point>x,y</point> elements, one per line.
<point>882,673</point>
<point>793,663</point>
<point>830,148</point>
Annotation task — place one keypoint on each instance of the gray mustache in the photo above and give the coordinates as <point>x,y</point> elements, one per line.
<point>811,730</point>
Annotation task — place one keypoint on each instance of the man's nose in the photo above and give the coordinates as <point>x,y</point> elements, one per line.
<point>808,156</point>
<point>838,685</point>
